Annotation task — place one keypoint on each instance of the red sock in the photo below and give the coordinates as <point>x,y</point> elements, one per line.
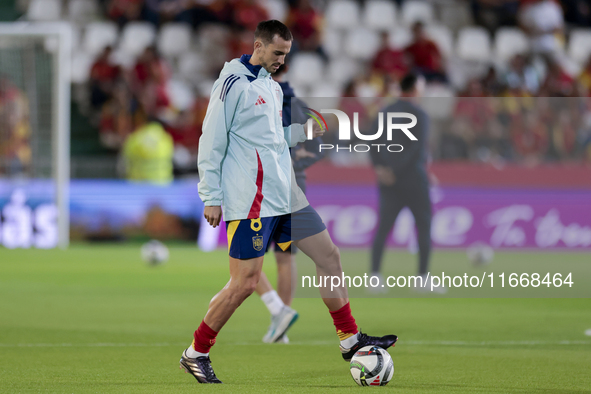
<point>204,338</point>
<point>344,322</point>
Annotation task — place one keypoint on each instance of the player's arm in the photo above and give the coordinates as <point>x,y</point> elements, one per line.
<point>212,150</point>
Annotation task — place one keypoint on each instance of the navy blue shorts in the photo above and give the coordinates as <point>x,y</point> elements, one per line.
<point>249,238</point>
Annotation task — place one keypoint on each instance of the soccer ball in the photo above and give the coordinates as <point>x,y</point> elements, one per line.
<point>372,366</point>
<point>480,253</point>
<point>154,252</point>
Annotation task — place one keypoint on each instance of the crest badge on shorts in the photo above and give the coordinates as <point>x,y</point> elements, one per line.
<point>257,243</point>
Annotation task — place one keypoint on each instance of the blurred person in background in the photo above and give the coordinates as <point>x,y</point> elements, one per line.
<point>303,156</point>
<point>543,22</point>
<point>248,13</point>
<point>103,77</point>
<point>15,130</point>
<point>522,75</point>
<point>558,82</point>
<point>490,83</point>
<point>585,78</point>
<point>305,24</point>
<point>493,14</point>
<point>117,117</point>
<point>147,154</point>
<point>149,82</point>
<point>403,180</point>
<point>424,55</point>
<point>389,63</point>
<point>530,137</point>
<point>123,11</point>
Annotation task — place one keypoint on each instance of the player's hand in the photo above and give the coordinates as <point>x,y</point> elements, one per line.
<point>317,129</point>
<point>213,215</point>
<point>302,153</point>
<point>385,175</point>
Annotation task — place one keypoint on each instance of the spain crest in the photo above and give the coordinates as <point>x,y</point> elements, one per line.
<point>257,243</point>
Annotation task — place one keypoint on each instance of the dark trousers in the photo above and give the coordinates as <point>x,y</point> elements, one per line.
<point>415,196</point>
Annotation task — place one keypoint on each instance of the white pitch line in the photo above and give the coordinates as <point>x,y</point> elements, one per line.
<point>311,343</point>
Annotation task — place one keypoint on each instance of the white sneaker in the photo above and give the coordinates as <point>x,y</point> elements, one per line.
<point>280,323</point>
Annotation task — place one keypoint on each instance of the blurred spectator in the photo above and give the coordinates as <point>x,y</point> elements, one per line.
<point>530,136</point>
<point>424,55</point>
<point>123,11</point>
<point>15,130</point>
<point>562,136</point>
<point>389,62</point>
<point>493,14</point>
<point>522,76</point>
<point>150,77</point>
<point>490,83</point>
<point>148,153</point>
<point>248,14</point>
<point>305,25</point>
<point>557,83</point>
<point>585,78</point>
<point>103,76</point>
<point>239,42</point>
<point>116,118</point>
<point>543,22</point>
<point>191,12</point>
<point>187,128</point>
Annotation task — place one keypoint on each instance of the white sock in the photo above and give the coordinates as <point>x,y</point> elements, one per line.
<point>192,353</point>
<point>349,342</point>
<point>272,302</point>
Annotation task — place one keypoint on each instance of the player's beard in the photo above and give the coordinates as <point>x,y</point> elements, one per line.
<point>269,67</point>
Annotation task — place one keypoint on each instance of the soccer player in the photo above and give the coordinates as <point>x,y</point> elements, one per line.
<point>403,180</point>
<point>303,156</point>
<point>245,167</point>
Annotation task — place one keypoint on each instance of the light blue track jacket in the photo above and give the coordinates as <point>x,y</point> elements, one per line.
<point>244,161</point>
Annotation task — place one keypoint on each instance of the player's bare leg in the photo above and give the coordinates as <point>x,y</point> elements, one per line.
<point>326,256</point>
<point>286,276</point>
<point>244,276</point>
<point>282,316</point>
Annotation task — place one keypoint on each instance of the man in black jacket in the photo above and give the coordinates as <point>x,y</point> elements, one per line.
<point>402,177</point>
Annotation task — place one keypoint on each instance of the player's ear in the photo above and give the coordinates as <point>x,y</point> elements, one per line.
<point>258,45</point>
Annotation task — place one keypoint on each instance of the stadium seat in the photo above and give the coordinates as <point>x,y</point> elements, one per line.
<point>306,68</point>
<point>99,35</point>
<point>181,95</point>
<point>174,39</point>
<point>83,11</point>
<point>510,42</point>
<point>399,38</point>
<point>137,36</point>
<point>342,69</point>
<point>342,14</point>
<point>362,43</point>
<point>473,44</point>
<point>443,37</point>
<point>192,66</point>
<point>417,10</point>
<point>81,65</point>
<point>326,89</point>
<point>332,42</point>
<point>438,101</point>
<point>579,47</point>
<point>379,15</point>
<point>277,9</point>
<point>44,10</point>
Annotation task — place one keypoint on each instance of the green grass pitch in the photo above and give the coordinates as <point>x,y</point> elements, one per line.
<point>96,319</point>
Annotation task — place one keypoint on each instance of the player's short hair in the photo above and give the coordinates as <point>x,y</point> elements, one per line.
<point>266,30</point>
<point>409,82</point>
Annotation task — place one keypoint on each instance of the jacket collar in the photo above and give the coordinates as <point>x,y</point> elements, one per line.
<point>257,71</point>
